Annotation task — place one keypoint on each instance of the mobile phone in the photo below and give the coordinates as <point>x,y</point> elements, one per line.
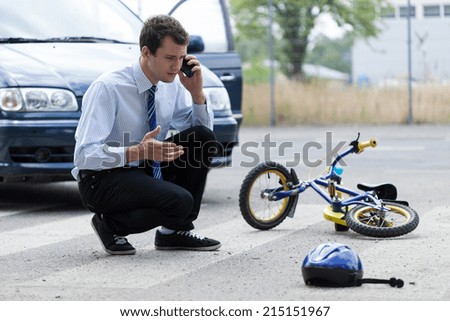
<point>187,69</point>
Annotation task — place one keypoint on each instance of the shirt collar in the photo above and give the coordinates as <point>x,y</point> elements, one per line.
<point>142,82</point>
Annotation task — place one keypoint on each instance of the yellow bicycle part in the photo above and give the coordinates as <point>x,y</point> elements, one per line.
<point>336,217</point>
<point>363,145</point>
<point>268,211</point>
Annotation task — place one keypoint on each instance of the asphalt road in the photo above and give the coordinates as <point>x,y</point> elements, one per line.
<point>48,250</point>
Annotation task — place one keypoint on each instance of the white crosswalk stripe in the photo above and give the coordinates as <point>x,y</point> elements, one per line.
<point>150,267</point>
<point>16,211</point>
<point>44,234</point>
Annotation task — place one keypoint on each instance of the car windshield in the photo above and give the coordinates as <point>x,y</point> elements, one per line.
<point>67,20</point>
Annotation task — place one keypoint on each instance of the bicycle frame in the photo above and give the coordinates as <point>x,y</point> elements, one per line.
<point>371,210</point>
<point>356,198</point>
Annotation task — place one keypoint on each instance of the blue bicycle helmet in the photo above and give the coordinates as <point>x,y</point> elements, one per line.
<point>333,265</point>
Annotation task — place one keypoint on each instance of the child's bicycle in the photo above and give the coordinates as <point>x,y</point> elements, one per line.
<point>269,193</point>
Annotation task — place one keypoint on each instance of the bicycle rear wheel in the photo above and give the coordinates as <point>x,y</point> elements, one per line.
<point>256,207</point>
<point>398,220</point>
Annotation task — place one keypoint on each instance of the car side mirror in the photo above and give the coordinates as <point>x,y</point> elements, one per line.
<point>196,44</point>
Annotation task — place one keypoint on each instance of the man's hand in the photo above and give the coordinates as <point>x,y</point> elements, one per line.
<point>151,149</point>
<point>194,84</point>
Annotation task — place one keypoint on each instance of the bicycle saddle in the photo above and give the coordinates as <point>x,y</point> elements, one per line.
<point>383,191</point>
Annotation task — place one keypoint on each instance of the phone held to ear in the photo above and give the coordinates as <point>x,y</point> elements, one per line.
<point>187,69</point>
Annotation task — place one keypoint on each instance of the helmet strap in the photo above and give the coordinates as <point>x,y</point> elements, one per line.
<point>392,282</point>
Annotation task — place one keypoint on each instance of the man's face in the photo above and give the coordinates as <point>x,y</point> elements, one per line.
<point>166,63</point>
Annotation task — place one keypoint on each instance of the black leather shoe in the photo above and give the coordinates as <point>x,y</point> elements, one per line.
<point>185,240</point>
<point>112,244</point>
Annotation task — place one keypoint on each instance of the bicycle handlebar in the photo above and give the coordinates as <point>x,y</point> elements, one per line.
<point>364,145</point>
<point>356,147</point>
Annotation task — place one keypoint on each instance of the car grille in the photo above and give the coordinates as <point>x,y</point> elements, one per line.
<point>64,154</point>
<point>44,154</point>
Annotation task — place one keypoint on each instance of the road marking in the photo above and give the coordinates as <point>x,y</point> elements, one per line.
<point>8,213</point>
<point>26,210</point>
<point>36,236</point>
<point>150,267</point>
<point>425,171</point>
<point>400,148</point>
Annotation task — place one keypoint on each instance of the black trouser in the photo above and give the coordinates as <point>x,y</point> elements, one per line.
<point>132,201</point>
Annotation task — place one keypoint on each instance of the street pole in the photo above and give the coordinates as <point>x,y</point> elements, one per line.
<point>410,112</point>
<point>272,66</point>
<point>139,8</point>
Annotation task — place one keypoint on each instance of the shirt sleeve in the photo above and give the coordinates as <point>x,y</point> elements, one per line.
<point>92,150</point>
<point>202,115</point>
<point>187,114</point>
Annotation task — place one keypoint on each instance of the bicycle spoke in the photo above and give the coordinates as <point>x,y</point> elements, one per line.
<point>262,207</point>
<point>385,219</point>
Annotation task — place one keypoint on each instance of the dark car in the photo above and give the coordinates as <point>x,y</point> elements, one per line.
<point>50,52</point>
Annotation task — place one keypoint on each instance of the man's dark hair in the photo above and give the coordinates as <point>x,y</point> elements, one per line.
<point>156,28</point>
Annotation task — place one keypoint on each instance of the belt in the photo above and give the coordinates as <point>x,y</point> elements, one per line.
<point>83,173</point>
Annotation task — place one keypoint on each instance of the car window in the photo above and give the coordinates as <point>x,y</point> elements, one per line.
<point>68,18</point>
<point>204,18</point>
<point>200,17</point>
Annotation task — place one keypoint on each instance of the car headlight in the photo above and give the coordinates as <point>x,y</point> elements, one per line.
<point>37,100</point>
<point>218,98</point>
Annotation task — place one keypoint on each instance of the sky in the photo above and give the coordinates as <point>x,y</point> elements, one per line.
<point>327,26</point>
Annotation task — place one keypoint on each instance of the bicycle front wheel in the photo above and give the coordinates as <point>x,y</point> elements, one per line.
<point>256,207</point>
<point>397,220</point>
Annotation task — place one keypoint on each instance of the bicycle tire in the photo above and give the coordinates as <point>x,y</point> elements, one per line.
<point>364,220</point>
<point>257,210</point>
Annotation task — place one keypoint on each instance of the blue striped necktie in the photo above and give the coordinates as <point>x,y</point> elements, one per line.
<point>151,116</point>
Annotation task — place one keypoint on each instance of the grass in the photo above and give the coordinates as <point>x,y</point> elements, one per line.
<point>330,103</point>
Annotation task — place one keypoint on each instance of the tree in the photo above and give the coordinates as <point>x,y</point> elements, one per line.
<point>295,20</point>
<point>332,53</point>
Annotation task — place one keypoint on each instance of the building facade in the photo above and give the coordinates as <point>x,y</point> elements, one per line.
<point>384,60</point>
